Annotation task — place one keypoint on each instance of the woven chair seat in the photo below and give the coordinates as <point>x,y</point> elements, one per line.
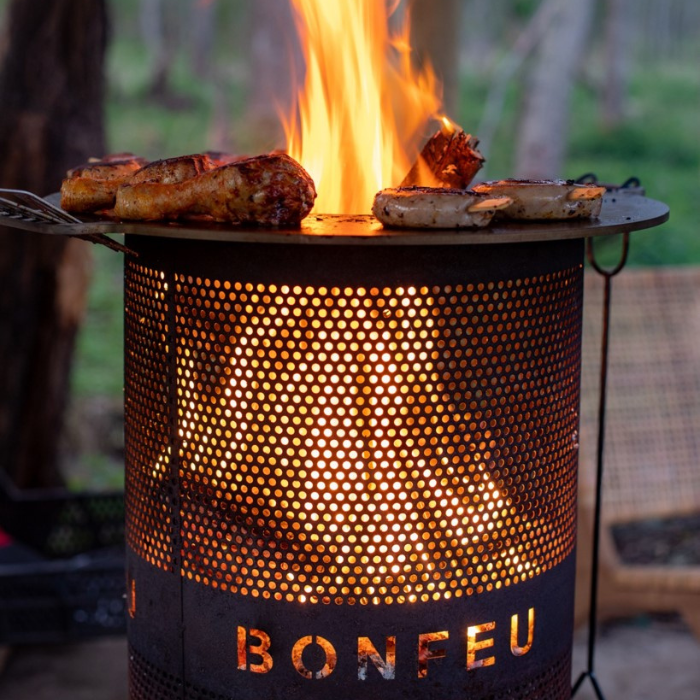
<point>652,437</point>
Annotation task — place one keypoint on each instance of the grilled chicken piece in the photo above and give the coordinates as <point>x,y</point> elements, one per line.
<point>545,199</point>
<point>108,167</point>
<point>93,186</point>
<point>434,207</point>
<point>173,170</point>
<point>219,158</point>
<point>268,190</point>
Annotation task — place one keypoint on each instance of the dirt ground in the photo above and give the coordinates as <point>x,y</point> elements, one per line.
<point>640,659</point>
<point>95,670</point>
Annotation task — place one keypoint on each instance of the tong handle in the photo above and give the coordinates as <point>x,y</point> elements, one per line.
<point>26,206</point>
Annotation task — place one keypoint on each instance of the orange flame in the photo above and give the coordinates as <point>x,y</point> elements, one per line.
<point>363,105</point>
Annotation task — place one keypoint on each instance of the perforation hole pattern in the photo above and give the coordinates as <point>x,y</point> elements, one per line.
<point>370,445</point>
<point>148,431</point>
<point>147,682</point>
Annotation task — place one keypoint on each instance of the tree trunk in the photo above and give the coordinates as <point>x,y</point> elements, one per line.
<point>161,29</point>
<point>153,33</point>
<point>617,47</point>
<point>275,64</point>
<point>51,90</point>
<point>662,28</point>
<point>203,26</point>
<point>435,31</point>
<point>544,125</point>
<point>529,38</point>
<point>481,23</point>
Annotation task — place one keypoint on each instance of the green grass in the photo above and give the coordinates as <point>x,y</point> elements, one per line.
<point>99,369</point>
<point>95,472</point>
<point>138,123</point>
<point>474,91</point>
<point>659,144</point>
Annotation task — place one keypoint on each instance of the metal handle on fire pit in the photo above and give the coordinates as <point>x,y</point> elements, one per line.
<point>602,399</point>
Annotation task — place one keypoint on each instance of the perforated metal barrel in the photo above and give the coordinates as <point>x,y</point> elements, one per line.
<point>351,469</point>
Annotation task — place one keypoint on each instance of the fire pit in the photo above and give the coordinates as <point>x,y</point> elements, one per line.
<point>352,455</point>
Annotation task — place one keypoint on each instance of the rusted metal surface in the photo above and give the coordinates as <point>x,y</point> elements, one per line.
<point>351,469</point>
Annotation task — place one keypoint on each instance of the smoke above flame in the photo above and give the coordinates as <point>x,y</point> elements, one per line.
<point>362,109</point>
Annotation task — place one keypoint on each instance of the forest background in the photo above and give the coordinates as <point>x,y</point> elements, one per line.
<point>613,88</point>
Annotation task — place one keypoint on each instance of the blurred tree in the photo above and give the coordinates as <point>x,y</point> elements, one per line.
<point>528,39</point>
<point>51,91</point>
<point>667,25</point>
<point>160,24</point>
<point>203,26</point>
<point>618,43</point>
<point>481,22</point>
<point>435,35</point>
<point>541,143</point>
<point>275,65</point>
<point>153,31</point>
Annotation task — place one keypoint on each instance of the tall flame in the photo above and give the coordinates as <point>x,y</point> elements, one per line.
<point>360,113</point>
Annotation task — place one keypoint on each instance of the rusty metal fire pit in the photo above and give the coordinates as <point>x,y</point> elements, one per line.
<point>352,457</point>
<point>352,461</point>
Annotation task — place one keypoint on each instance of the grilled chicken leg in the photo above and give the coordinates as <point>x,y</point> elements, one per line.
<point>93,186</point>
<point>267,190</point>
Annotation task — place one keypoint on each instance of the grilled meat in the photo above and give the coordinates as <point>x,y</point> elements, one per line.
<point>109,167</point>
<point>172,170</point>
<point>545,199</point>
<point>93,186</point>
<point>220,158</point>
<point>267,190</point>
<point>432,207</point>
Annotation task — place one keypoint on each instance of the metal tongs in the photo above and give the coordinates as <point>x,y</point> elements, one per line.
<point>30,208</point>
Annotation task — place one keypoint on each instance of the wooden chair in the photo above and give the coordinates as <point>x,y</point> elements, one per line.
<point>652,444</point>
